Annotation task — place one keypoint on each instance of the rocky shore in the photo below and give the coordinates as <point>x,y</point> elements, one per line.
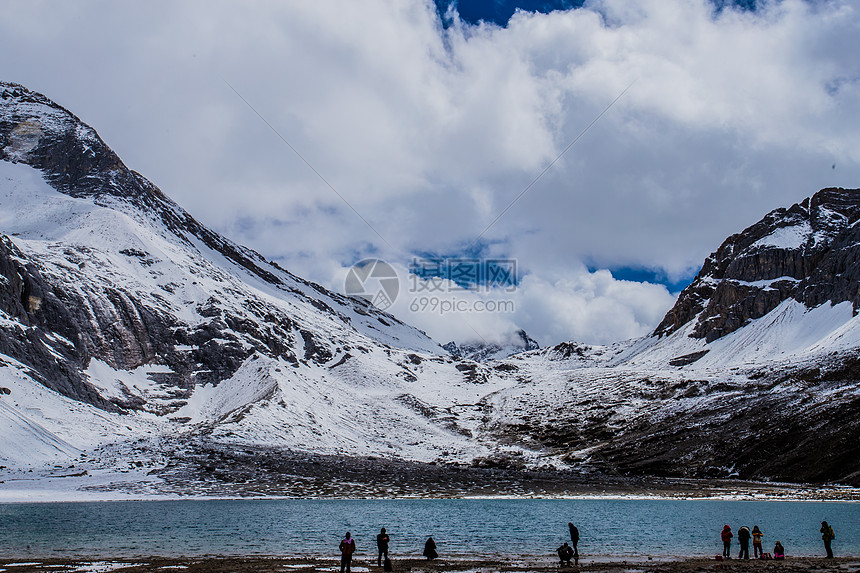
<point>213,470</point>
<point>501,565</point>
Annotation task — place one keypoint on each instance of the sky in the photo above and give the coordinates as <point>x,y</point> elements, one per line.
<point>601,149</point>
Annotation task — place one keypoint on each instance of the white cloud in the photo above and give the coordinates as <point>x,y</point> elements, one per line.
<point>590,307</point>
<point>430,134</point>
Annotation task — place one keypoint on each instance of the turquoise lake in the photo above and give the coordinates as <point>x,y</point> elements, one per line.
<point>461,527</point>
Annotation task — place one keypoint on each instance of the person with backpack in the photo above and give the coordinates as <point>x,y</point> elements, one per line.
<point>744,541</point>
<point>382,545</point>
<point>757,536</point>
<point>827,535</point>
<point>347,548</point>
<point>726,535</point>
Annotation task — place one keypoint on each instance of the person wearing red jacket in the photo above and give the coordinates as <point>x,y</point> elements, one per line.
<point>726,536</point>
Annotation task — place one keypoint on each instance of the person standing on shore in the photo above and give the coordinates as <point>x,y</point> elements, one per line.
<point>347,548</point>
<point>382,545</point>
<point>430,549</point>
<point>726,536</point>
<point>574,540</point>
<point>757,536</point>
<point>744,541</point>
<point>827,535</point>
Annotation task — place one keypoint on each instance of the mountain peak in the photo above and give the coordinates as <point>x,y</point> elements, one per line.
<point>807,252</point>
<point>72,157</point>
<point>101,266</point>
<point>485,351</point>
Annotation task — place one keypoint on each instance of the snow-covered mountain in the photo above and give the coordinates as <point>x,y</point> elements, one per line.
<point>133,339</point>
<point>483,351</point>
<point>116,299</point>
<point>754,372</point>
<point>808,252</point>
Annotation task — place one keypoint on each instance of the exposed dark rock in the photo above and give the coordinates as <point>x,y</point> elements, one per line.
<point>688,358</point>
<point>809,252</point>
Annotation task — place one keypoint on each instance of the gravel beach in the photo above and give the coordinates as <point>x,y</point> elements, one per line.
<point>501,565</point>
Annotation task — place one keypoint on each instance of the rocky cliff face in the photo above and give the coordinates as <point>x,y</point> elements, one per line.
<point>809,252</point>
<point>752,374</point>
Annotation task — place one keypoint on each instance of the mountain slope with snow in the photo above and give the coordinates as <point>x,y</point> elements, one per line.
<point>137,346</point>
<point>753,373</point>
<point>102,275</point>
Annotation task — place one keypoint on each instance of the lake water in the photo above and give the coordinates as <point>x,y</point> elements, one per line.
<point>461,527</point>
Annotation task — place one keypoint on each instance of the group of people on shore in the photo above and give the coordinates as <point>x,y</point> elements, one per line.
<point>756,535</point>
<point>347,548</point>
<point>568,553</point>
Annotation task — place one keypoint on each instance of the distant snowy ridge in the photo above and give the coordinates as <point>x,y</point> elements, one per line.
<point>485,351</point>
<point>754,372</point>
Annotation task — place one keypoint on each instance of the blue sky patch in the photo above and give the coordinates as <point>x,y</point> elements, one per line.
<point>499,12</point>
<point>645,275</point>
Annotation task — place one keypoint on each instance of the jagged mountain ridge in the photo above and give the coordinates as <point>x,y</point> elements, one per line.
<point>753,372</point>
<point>809,252</point>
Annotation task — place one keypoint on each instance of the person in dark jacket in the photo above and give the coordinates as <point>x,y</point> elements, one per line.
<point>827,535</point>
<point>565,554</point>
<point>574,540</point>
<point>430,549</point>
<point>726,535</point>
<point>382,545</point>
<point>778,551</point>
<point>347,548</point>
<point>744,541</point>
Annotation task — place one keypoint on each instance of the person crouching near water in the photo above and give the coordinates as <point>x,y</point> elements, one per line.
<point>347,548</point>
<point>565,554</point>
<point>726,535</point>
<point>430,549</point>
<point>757,536</point>
<point>778,551</point>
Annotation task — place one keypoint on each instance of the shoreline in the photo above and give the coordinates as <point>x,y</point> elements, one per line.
<point>811,495</point>
<point>218,472</point>
<point>107,486</point>
<point>503,564</point>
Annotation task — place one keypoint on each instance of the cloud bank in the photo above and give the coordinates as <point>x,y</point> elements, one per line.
<point>431,133</point>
